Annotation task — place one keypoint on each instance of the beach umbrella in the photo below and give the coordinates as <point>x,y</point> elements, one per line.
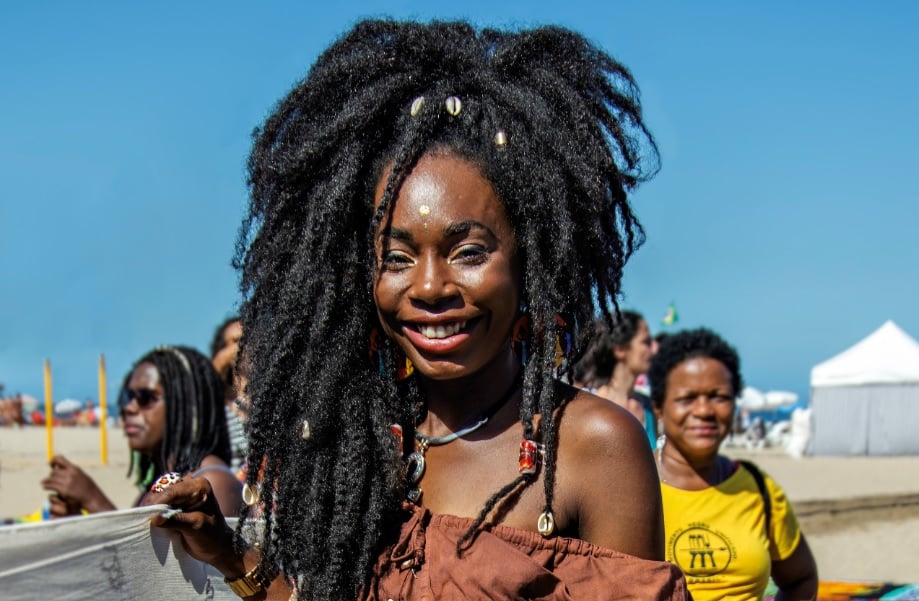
<point>780,398</point>
<point>67,406</point>
<point>751,398</point>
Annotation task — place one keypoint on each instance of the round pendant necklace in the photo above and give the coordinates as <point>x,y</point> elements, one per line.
<point>415,462</point>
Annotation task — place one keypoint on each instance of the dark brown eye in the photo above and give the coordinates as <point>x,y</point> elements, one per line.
<point>471,253</point>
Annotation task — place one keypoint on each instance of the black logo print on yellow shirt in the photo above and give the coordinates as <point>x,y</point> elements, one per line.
<point>700,551</point>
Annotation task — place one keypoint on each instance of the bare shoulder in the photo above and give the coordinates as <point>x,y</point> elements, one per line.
<point>212,461</point>
<point>215,469</point>
<point>591,423</point>
<point>606,476</point>
<point>227,489</point>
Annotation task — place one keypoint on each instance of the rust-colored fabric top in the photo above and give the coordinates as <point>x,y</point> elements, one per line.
<point>509,563</point>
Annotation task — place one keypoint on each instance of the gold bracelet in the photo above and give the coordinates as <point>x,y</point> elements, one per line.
<point>254,581</point>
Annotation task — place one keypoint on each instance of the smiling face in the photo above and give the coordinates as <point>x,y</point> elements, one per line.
<point>698,407</point>
<point>145,413</point>
<point>447,287</point>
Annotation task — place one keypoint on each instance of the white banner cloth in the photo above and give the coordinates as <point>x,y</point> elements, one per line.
<point>115,556</point>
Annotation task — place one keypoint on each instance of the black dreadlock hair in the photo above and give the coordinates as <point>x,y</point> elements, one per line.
<point>596,366</point>
<point>689,344</point>
<point>575,145</point>
<point>195,417</point>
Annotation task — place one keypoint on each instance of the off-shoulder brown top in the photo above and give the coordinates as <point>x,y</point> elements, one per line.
<point>509,563</point>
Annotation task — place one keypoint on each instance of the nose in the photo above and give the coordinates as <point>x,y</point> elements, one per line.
<point>433,284</point>
<point>128,404</point>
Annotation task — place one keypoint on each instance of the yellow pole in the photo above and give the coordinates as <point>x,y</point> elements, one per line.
<point>49,410</point>
<point>103,435</point>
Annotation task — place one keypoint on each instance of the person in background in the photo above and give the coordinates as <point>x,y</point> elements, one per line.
<point>425,189</point>
<point>614,359</point>
<point>88,415</point>
<point>225,355</point>
<point>11,413</point>
<point>729,525</point>
<point>172,406</point>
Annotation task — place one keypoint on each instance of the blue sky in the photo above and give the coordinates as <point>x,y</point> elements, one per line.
<point>784,215</point>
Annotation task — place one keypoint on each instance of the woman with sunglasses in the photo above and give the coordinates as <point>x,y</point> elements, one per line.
<point>172,407</point>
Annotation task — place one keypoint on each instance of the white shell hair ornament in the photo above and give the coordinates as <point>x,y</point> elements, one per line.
<point>250,495</point>
<point>416,106</point>
<point>546,523</point>
<point>454,106</point>
<point>165,481</point>
<point>305,432</point>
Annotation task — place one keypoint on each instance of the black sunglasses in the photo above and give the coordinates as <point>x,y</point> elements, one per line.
<point>144,397</point>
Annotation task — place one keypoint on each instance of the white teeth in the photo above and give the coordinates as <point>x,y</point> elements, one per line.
<point>441,331</point>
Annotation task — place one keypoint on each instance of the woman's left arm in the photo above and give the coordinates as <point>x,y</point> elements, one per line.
<point>796,576</point>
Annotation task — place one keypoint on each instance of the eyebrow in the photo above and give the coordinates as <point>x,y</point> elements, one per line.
<point>454,229</point>
<point>464,227</point>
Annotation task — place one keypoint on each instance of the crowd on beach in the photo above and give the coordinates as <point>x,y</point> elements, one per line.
<point>430,391</point>
<point>22,410</point>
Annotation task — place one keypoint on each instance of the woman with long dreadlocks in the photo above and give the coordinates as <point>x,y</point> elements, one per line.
<point>172,406</point>
<point>436,214</point>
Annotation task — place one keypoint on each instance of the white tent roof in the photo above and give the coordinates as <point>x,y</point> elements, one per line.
<point>887,356</point>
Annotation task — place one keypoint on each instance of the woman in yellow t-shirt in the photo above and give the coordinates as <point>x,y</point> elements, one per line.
<point>719,529</point>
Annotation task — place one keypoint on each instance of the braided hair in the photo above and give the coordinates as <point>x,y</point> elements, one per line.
<point>572,146</point>
<point>195,416</point>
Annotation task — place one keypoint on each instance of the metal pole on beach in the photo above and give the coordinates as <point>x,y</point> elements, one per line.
<point>49,410</point>
<point>103,412</point>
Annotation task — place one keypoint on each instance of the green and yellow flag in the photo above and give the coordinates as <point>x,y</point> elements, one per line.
<point>671,317</point>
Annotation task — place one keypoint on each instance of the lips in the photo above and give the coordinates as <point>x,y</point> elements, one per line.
<point>132,429</point>
<point>704,431</point>
<point>442,330</point>
<point>439,338</point>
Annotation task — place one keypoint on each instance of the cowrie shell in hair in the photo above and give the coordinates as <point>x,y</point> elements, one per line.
<point>546,523</point>
<point>165,481</point>
<point>305,432</point>
<point>250,495</point>
<point>500,138</point>
<point>454,106</point>
<point>416,106</point>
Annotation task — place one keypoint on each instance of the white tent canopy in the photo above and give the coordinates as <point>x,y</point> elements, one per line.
<point>889,355</point>
<point>865,400</point>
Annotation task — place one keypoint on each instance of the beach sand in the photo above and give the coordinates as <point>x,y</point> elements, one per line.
<point>860,514</point>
